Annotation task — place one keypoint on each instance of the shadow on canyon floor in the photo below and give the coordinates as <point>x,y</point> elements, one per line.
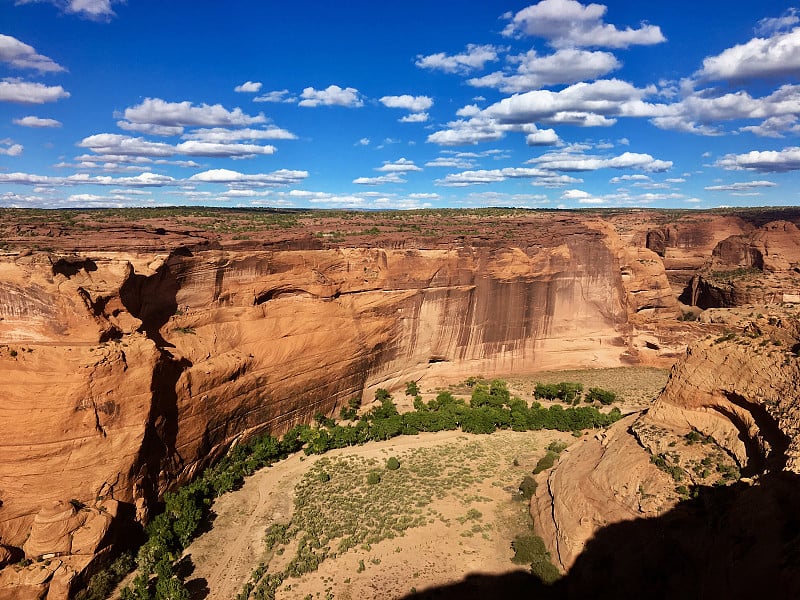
<point>731,542</point>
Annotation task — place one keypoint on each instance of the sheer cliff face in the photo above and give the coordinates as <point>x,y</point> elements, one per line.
<point>127,373</point>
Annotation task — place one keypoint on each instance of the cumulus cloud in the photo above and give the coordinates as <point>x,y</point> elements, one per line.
<point>740,186</point>
<point>450,162</point>
<point>627,178</point>
<point>568,23</point>
<point>776,56</point>
<point>151,129</point>
<point>248,87</point>
<point>155,111</point>
<point>222,150</point>
<point>226,176</point>
<point>414,118</point>
<point>408,102</point>
<point>585,104</point>
<point>772,25</point>
<point>401,165</point>
<point>142,180</point>
<point>26,92</point>
<point>775,127</point>
<point>95,10</point>
<point>332,95</point>
<point>489,176</point>
<point>380,180</point>
<point>123,145</point>
<point>276,96</point>
<point>31,121</point>
<point>10,149</point>
<point>567,65</point>
<point>767,161</point>
<point>577,162</point>
<point>23,56</point>
<point>700,112</point>
<point>473,58</point>
<point>544,137</point>
<point>222,135</point>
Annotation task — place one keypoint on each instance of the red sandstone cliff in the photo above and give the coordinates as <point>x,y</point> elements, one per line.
<point>129,370</point>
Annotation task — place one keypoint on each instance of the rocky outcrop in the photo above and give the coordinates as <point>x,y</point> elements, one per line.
<point>760,267</point>
<point>735,393</point>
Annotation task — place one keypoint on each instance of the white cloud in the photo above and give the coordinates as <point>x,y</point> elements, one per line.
<point>425,196</point>
<point>740,186</point>
<point>23,56</point>
<point>212,149</point>
<point>627,178</point>
<point>11,148</point>
<point>544,137</point>
<point>95,10</point>
<point>568,23</point>
<point>770,26</point>
<point>408,102</point>
<point>776,56</point>
<point>26,92</point>
<point>332,95</point>
<point>248,87</point>
<point>578,162</point>
<point>556,181</point>
<point>150,129</point>
<point>775,127</point>
<point>31,121</point>
<point>142,180</point>
<point>475,57</point>
<point>584,104</point>
<point>414,118</point>
<point>380,180</point>
<point>489,176</point>
<point>567,65</point>
<point>279,177</point>
<point>401,165</point>
<point>363,142</point>
<point>123,145</point>
<point>222,135</point>
<point>453,163</point>
<point>768,161</point>
<point>155,111</point>
<point>276,96</point>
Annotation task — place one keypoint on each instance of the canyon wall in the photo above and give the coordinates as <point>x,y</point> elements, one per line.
<point>130,367</point>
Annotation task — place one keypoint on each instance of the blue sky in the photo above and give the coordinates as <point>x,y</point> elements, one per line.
<point>362,104</point>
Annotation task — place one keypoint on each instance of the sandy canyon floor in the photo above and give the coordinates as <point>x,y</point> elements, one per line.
<point>450,510</point>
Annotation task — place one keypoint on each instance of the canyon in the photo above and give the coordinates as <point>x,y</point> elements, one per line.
<point>138,346</point>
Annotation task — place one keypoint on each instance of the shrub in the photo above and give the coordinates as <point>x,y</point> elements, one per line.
<point>530,549</point>
<point>528,487</point>
<point>373,478</point>
<point>324,477</point>
<point>600,395</point>
<point>393,464</point>
<point>547,461</point>
<point>411,388</point>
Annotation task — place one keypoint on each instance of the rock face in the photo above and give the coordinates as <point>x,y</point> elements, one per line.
<point>130,367</point>
<point>739,389</point>
<point>759,267</point>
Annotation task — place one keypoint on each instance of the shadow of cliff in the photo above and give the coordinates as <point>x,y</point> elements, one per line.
<point>153,299</point>
<point>732,542</point>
